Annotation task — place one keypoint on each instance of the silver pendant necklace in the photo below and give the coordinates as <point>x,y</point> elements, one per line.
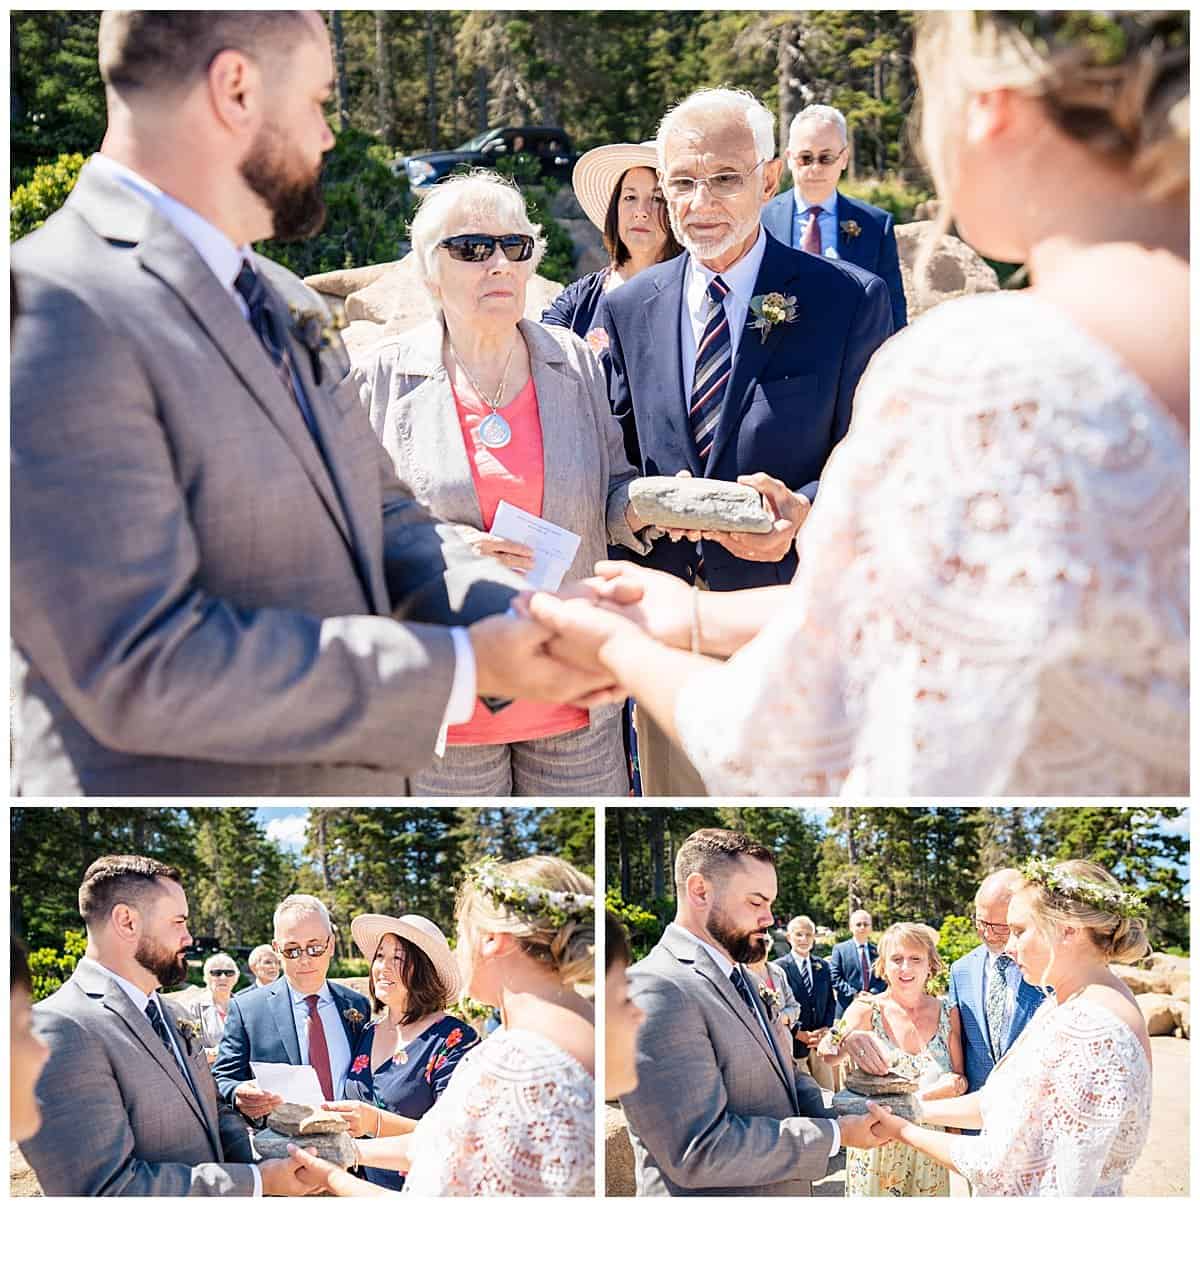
<point>494,430</point>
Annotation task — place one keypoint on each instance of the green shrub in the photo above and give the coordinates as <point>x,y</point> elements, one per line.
<point>892,194</point>
<point>644,923</point>
<point>956,938</point>
<point>349,967</point>
<point>526,171</point>
<point>50,969</point>
<point>34,201</point>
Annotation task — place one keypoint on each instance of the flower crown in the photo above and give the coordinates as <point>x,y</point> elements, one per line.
<point>556,906</point>
<point>1105,898</point>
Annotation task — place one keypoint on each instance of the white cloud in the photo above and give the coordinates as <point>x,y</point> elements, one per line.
<point>289,831</point>
<point>1180,826</point>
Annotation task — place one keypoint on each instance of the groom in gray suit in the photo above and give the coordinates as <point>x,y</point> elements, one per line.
<point>218,584</point>
<point>720,1110</point>
<point>128,1104</point>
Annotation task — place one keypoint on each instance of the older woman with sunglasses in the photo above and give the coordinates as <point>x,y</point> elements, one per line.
<point>209,1007</point>
<point>490,416</point>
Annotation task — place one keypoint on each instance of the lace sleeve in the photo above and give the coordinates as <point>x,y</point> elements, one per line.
<point>1080,1119</point>
<point>976,606</point>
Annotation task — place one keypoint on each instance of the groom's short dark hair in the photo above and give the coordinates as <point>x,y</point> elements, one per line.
<point>121,878</point>
<point>714,853</point>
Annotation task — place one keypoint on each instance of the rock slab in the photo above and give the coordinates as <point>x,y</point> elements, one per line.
<point>686,502</point>
<point>869,1084</point>
<point>851,1103</point>
<point>303,1119</point>
<point>337,1148</point>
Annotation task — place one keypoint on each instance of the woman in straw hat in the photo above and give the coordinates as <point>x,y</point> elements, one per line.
<point>518,1117</point>
<point>404,1058</point>
<point>617,187</point>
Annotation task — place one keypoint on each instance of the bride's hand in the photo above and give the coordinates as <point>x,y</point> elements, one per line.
<point>887,1124</point>
<point>315,1172</point>
<point>581,628</point>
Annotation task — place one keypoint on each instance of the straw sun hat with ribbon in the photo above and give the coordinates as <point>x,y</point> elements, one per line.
<point>417,931</point>
<point>598,171</point>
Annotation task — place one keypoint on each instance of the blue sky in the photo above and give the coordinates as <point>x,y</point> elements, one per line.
<point>285,825</point>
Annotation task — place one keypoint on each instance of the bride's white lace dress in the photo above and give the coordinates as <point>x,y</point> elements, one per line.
<point>517,1119</point>
<point>1067,1110</point>
<point>992,596</point>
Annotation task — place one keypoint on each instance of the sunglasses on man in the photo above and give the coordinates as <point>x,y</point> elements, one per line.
<point>826,159</point>
<point>313,949</point>
<point>476,247</point>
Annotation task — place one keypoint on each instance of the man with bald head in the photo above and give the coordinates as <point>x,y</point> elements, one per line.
<point>994,1001</point>
<point>218,584</point>
<point>705,377</point>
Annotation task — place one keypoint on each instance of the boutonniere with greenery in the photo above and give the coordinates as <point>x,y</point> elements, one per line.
<point>191,1030</point>
<point>352,1016</point>
<point>850,229</point>
<point>771,999</point>
<point>319,332</point>
<point>770,310</point>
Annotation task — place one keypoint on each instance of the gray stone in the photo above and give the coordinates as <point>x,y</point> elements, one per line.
<point>337,1148</point>
<point>867,1083</point>
<point>303,1118</point>
<point>955,269</point>
<point>848,1103</point>
<point>683,502</point>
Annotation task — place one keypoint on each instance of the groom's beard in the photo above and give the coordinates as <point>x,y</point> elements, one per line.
<point>170,968</point>
<point>745,948</point>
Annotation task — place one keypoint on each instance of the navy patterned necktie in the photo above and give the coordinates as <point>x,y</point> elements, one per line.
<point>997,992</point>
<point>714,363</point>
<point>160,1028</point>
<point>738,979</point>
<point>806,974</point>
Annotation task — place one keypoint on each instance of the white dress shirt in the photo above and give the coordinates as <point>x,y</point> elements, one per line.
<point>804,962</point>
<point>224,259</point>
<point>740,278</point>
<point>1012,981</point>
<point>141,1002</point>
<point>826,221</point>
<point>726,967</point>
<point>336,1038</point>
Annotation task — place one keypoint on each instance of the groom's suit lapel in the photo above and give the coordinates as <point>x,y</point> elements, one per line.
<point>279,1001</point>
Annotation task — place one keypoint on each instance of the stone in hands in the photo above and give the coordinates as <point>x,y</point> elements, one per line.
<point>691,502</point>
<point>328,1133</point>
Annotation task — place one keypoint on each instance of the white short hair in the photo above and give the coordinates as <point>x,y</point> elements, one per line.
<point>481,191</point>
<point>826,115</point>
<point>797,921</point>
<point>263,949</point>
<point>759,120</point>
<point>299,904</point>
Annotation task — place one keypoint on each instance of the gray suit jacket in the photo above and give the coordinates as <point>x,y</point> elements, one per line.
<point>118,1117</point>
<point>200,602</point>
<point>719,1110</point>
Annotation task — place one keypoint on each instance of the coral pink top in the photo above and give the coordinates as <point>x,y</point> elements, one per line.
<point>515,474</point>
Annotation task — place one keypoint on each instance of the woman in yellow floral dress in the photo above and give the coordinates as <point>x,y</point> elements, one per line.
<point>907,1031</point>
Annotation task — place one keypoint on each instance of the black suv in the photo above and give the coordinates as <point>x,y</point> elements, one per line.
<point>552,147</point>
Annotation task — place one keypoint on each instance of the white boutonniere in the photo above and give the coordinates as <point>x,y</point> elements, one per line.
<point>771,999</point>
<point>320,332</point>
<point>597,340</point>
<point>770,310</point>
<point>850,229</point>
<point>352,1016</point>
<point>191,1030</point>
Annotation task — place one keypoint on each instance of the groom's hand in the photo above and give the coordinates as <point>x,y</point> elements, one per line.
<point>281,1177</point>
<point>860,1132</point>
<point>512,660</point>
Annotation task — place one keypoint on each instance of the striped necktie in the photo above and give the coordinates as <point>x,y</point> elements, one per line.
<point>714,362</point>
<point>997,994</point>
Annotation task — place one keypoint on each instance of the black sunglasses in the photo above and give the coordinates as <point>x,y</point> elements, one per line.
<point>222,974</point>
<point>477,247</point>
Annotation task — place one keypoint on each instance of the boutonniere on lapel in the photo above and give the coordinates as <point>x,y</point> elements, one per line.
<point>850,229</point>
<point>770,310</point>
<point>597,340</point>
<point>319,332</point>
<point>191,1030</point>
<point>352,1016</point>
<point>771,1000</point>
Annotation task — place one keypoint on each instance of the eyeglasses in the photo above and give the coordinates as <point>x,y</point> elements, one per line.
<point>313,949</point>
<point>806,159</point>
<point>721,186</point>
<point>477,247</point>
<point>992,927</point>
<point>221,974</point>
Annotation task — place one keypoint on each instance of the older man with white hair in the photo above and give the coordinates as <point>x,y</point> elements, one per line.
<point>301,1018</point>
<point>817,218</point>
<point>738,360</point>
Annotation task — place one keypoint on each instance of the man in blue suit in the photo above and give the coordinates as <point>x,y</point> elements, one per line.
<point>301,1018</point>
<point>816,217</point>
<point>994,1001</point>
<point>852,963</point>
<point>703,380</point>
<point>812,985</point>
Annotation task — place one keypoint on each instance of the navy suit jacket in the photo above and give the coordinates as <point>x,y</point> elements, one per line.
<point>873,249</point>
<point>817,1009</point>
<point>967,992</point>
<point>787,402</point>
<point>846,972</point>
<point>260,1027</point>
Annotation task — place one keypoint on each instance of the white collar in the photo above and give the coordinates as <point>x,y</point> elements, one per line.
<point>222,257</point>
<point>298,998</point>
<point>139,998</point>
<point>723,962</point>
<point>828,205</point>
<point>797,957</point>
<point>739,278</point>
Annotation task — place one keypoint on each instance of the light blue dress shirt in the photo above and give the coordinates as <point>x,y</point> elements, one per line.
<point>826,220</point>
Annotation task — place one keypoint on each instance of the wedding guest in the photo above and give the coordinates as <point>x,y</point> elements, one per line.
<point>819,219</point>
<point>994,1002</point>
<point>210,1008</point>
<point>810,980</point>
<point>302,1018</point>
<point>852,963</point>
<point>623,1017</point>
<point>617,188</point>
<point>922,1037</point>
<point>953,630</point>
<point>1067,1112</point>
<point>518,1118</point>
<point>127,1099</point>
<point>480,407</point>
<point>406,1055</point>
<point>27,1051</point>
<point>264,965</point>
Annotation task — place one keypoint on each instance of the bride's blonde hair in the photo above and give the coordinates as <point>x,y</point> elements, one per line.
<point>1120,936</point>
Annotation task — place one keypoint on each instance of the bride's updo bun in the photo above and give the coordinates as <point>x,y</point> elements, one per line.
<point>545,903</point>
<point>1087,896</point>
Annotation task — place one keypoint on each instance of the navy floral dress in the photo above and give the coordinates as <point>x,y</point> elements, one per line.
<point>410,1088</point>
